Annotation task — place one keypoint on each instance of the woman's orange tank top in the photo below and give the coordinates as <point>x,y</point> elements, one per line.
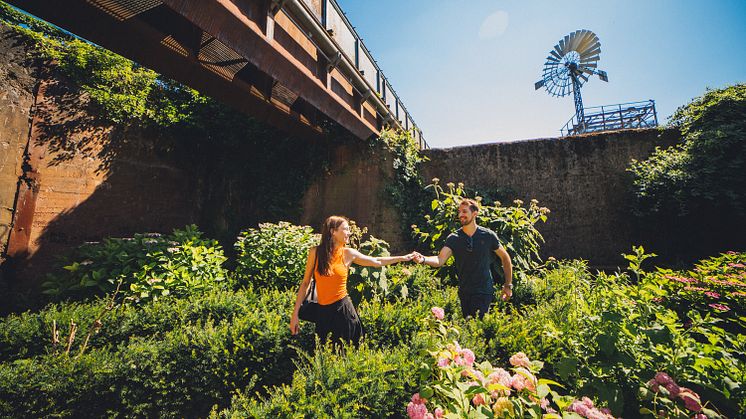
<point>332,288</point>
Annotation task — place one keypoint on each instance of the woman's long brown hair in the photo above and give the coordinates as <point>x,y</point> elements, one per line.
<point>326,247</point>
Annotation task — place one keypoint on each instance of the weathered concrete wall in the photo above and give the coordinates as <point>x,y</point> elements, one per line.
<point>582,180</point>
<point>354,186</point>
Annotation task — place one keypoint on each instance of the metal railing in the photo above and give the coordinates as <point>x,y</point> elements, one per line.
<point>329,15</point>
<point>613,117</point>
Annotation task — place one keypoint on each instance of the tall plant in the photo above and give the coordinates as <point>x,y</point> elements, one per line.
<point>515,225</point>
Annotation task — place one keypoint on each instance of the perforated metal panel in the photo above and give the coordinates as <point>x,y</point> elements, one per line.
<point>219,58</point>
<point>124,9</point>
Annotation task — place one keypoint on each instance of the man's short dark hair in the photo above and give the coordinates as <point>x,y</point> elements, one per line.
<point>473,205</point>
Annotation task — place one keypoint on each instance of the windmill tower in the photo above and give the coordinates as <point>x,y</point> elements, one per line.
<point>568,66</point>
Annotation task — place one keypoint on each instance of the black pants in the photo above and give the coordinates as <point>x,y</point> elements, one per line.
<point>475,305</point>
<point>340,320</point>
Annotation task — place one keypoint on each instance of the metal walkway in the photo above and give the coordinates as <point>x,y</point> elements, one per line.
<point>293,63</point>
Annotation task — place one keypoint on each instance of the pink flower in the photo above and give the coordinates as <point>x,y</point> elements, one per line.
<point>663,378</point>
<point>520,360</point>
<point>691,399</point>
<point>721,307</point>
<point>500,376</point>
<point>438,313</point>
<point>468,356</point>
<point>438,412</point>
<point>518,382</point>
<point>653,385</point>
<point>586,401</point>
<point>443,362</point>
<point>478,400</point>
<point>737,265</point>
<point>579,408</point>
<point>673,389</point>
<point>416,410</point>
<point>712,294</point>
<point>690,288</point>
<point>699,416</point>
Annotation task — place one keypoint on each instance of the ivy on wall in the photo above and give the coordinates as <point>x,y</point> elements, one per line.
<point>244,166</point>
<point>698,187</point>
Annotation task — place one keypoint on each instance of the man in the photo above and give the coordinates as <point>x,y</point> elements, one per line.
<point>472,247</point>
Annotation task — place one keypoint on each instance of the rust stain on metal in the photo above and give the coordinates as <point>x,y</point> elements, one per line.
<point>28,184</point>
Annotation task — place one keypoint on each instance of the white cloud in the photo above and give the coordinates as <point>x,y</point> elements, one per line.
<point>494,25</point>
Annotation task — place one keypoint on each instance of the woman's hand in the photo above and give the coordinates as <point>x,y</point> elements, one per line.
<point>294,327</point>
<point>408,257</point>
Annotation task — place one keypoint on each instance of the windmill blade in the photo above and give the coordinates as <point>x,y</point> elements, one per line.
<point>603,76</point>
<point>556,53</point>
<point>589,65</point>
<point>582,76</point>
<point>590,52</point>
<point>592,59</point>
<point>588,42</point>
<point>573,41</point>
<point>552,58</point>
<point>564,43</point>
<point>539,84</point>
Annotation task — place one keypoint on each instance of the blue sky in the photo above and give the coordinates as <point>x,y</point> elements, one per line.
<point>466,69</point>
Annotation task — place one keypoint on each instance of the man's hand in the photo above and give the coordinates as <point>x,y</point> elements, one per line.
<point>507,292</point>
<point>417,257</point>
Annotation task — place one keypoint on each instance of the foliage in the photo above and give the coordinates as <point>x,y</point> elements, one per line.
<point>514,225</point>
<point>691,195</point>
<point>361,382</point>
<point>404,191</point>
<point>716,286</point>
<point>274,255</point>
<point>148,266</point>
<point>455,385</point>
<point>708,167</point>
<point>210,139</point>
<point>169,358</point>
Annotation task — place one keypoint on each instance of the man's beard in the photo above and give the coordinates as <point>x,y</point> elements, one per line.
<point>465,221</point>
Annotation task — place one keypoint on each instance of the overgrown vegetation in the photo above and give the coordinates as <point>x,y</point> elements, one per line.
<point>697,186</point>
<point>211,140</point>
<point>622,342</point>
<point>515,225</point>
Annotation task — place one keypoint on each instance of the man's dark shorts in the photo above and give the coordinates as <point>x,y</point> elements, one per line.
<point>476,305</point>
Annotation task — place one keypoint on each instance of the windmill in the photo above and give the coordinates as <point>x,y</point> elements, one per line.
<point>569,65</point>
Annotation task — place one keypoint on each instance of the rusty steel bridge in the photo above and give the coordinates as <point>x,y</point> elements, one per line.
<point>292,63</point>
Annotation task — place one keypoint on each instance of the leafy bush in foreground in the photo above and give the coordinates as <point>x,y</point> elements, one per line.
<point>171,358</point>
<point>362,382</point>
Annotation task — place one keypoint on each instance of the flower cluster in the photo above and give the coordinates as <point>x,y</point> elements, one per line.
<point>459,386</point>
<point>585,408</point>
<point>663,385</point>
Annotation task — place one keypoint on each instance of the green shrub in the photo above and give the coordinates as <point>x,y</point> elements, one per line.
<point>170,358</point>
<point>515,225</point>
<point>148,266</point>
<point>274,255</point>
<point>690,196</point>
<point>362,382</point>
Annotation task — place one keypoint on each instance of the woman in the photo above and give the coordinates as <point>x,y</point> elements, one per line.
<point>332,260</point>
